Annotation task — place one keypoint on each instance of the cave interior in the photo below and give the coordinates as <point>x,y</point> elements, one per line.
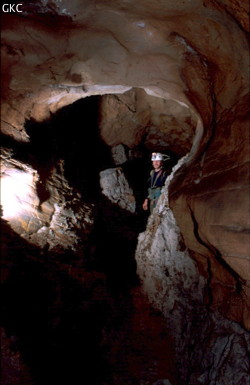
<point>94,289</point>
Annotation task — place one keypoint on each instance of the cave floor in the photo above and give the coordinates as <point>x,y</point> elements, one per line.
<point>65,324</point>
<point>142,351</point>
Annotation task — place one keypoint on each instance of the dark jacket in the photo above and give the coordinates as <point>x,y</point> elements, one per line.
<point>155,183</point>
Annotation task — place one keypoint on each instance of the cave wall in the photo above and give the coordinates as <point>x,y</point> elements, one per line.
<point>219,212</point>
<point>109,48</point>
<point>203,307</point>
<point>193,57</point>
<point>136,118</point>
<point>48,213</point>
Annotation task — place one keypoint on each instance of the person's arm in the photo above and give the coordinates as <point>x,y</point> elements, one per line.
<point>164,177</point>
<point>145,204</point>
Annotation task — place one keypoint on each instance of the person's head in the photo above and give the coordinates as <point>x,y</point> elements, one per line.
<point>157,160</point>
<point>157,164</point>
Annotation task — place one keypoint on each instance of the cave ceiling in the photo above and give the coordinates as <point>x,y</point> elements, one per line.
<point>55,52</point>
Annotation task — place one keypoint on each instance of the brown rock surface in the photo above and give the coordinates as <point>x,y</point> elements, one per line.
<point>47,214</point>
<point>218,200</point>
<point>174,75</point>
<point>136,117</point>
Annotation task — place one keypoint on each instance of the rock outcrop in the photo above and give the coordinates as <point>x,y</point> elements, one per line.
<point>115,187</point>
<point>174,284</point>
<point>48,214</point>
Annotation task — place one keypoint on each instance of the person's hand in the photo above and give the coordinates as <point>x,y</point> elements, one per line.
<point>145,204</point>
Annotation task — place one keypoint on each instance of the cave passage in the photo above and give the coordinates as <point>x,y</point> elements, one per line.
<point>80,261</point>
<point>72,135</point>
<point>63,326</point>
<point>84,322</point>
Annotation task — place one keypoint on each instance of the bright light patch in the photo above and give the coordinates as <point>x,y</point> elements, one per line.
<point>16,192</point>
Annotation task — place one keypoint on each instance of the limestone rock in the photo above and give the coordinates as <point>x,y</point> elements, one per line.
<point>173,75</point>
<point>119,154</point>
<point>134,116</point>
<point>116,188</point>
<point>173,283</point>
<point>59,222</point>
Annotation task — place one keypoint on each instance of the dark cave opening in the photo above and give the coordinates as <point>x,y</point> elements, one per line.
<point>72,135</point>
<point>51,319</point>
<point>75,323</point>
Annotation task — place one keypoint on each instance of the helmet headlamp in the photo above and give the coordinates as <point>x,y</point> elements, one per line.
<point>159,156</point>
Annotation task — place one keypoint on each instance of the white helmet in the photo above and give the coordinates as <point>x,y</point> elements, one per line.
<point>159,156</point>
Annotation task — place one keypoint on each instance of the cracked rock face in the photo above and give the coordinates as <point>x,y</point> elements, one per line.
<point>136,117</point>
<point>115,186</point>
<point>56,223</point>
<point>172,280</point>
<point>172,75</point>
